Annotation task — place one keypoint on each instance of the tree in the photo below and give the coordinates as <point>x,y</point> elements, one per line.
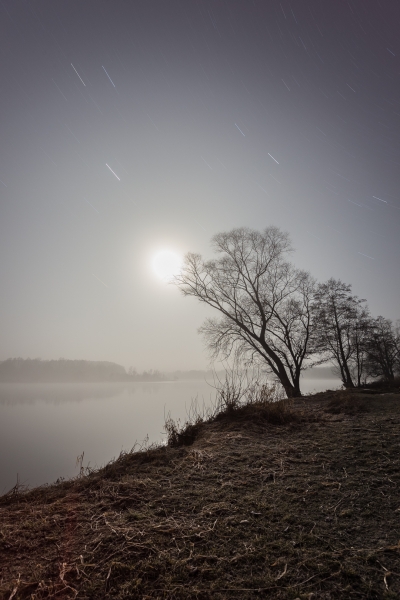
<point>265,303</point>
<point>361,331</point>
<point>383,349</point>
<point>342,324</point>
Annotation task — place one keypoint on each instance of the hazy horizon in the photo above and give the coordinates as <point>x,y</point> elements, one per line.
<point>132,128</point>
<point>64,370</point>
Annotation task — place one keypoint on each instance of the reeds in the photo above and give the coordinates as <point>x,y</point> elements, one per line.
<point>240,395</point>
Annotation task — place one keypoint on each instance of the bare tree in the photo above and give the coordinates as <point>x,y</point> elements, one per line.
<point>396,328</point>
<point>265,303</point>
<point>383,349</point>
<point>361,332</point>
<point>341,325</point>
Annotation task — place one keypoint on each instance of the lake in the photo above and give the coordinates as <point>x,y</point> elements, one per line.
<point>45,427</point>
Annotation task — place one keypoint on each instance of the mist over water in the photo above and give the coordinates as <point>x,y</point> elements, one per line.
<point>45,427</point>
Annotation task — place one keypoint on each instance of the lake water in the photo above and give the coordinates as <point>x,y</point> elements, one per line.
<point>45,427</point>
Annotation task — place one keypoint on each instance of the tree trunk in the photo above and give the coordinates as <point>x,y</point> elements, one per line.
<point>292,391</point>
<point>344,367</point>
<point>347,379</point>
<point>348,384</point>
<point>345,375</point>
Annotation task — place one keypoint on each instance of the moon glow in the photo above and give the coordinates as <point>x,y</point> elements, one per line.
<point>166,264</point>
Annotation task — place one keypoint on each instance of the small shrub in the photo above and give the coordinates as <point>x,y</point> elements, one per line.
<point>236,399</point>
<point>267,402</point>
<point>279,412</point>
<point>182,436</point>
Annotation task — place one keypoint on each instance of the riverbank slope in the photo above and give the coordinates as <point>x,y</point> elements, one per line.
<point>252,508</point>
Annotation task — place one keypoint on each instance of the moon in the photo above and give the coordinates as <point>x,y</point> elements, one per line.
<point>167,264</point>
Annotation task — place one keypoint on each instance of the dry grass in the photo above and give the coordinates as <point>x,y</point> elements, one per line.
<point>348,403</point>
<point>235,401</point>
<point>253,508</point>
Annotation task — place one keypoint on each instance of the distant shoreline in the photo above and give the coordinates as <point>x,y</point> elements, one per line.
<point>19,370</point>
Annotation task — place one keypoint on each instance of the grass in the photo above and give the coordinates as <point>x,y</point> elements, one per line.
<point>347,403</point>
<point>259,499</point>
<point>236,400</point>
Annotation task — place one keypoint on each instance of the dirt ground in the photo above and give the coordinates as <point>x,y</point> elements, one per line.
<point>309,510</point>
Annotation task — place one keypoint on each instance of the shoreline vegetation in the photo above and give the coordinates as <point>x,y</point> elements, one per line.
<point>19,370</point>
<point>260,497</point>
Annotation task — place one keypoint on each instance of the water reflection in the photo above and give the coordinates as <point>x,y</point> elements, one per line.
<point>52,393</point>
<point>44,427</point>
<point>56,393</point>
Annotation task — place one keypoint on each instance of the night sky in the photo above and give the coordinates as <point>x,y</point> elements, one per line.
<point>128,127</point>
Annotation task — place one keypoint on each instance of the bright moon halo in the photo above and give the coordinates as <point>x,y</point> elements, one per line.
<point>167,264</point>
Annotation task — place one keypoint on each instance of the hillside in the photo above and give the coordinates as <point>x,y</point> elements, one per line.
<point>305,509</point>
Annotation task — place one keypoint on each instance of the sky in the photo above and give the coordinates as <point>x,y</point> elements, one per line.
<point>128,128</point>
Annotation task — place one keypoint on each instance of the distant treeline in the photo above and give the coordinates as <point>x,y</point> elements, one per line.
<point>14,370</point>
<point>19,370</point>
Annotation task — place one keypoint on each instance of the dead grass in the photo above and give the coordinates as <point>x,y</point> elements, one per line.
<point>347,403</point>
<point>254,508</point>
<point>235,401</point>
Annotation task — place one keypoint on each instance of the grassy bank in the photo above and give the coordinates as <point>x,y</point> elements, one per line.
<point>291,501</point>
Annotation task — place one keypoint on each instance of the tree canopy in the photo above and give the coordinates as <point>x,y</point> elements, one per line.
<point>276,315</point>
<point>264,302</point>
